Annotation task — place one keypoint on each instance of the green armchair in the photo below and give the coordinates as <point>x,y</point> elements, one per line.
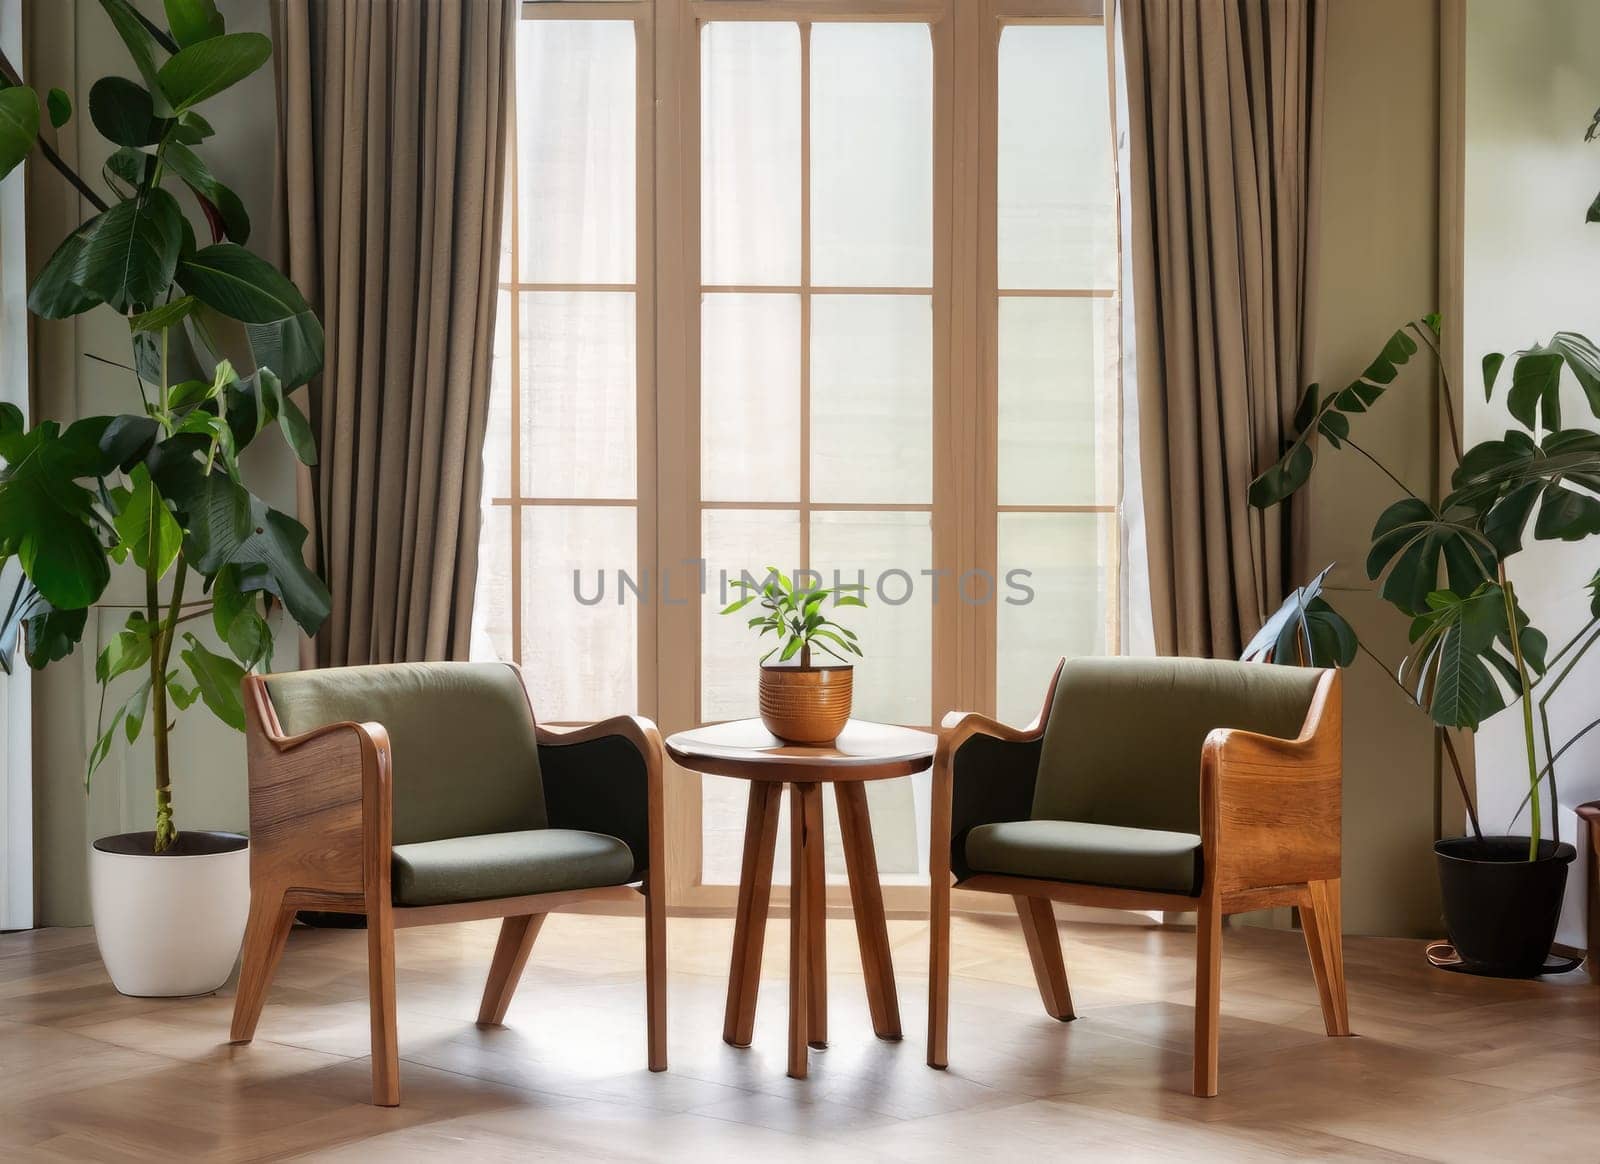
<point>419,793</point>
<point>1172,784</point>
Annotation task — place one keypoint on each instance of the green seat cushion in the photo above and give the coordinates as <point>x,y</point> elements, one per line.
<point>507,865</point>
<point>1088,854</point>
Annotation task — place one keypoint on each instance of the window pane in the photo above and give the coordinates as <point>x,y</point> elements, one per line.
<point>1068,557</point>
<point>750,153</point>
<point>497,435</point>
<point>1058,406</point>
<point>733,540</point>
<point>889,552</point>
<point>1056,221</point>
<point>576,150</point>
<point>579,394</point>
<point>871,155</point>
<point>580,658</point>
<point>872,398</point>
<point>750,397</point>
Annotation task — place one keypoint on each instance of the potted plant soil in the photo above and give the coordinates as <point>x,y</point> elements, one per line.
<point>157,492</point>
<point>802,702</point>
<point>1444,563</point>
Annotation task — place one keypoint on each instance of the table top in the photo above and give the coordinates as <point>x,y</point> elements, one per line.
<point>745,749</point>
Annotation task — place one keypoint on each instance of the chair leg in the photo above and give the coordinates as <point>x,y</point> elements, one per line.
<point>265,936</point>
<point>655,968</point>
<point>517,935</point>
<point>939,944</point>
<point>1320,919</point>
<point>1207,994</point>
<point>1044,951</point>
<point>381,999</point>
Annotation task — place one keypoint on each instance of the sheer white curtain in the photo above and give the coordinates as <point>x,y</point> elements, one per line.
<point>16,728</point>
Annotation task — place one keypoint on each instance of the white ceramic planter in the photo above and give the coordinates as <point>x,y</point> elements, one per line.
<point>170,925</point>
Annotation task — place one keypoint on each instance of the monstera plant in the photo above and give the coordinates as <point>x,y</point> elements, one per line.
<point>217,339</point>
<point>1443,563</point>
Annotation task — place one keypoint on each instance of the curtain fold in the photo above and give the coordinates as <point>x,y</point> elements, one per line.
<point>1225,108</point>
<point>393,122</point>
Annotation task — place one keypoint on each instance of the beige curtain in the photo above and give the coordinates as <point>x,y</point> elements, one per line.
<point>1224,104</point>
<point>392,131</point>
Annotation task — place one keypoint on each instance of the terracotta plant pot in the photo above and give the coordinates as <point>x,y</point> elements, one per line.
<point>805,705</point>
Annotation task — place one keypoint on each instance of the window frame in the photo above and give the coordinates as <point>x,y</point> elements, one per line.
<point>964,503</point>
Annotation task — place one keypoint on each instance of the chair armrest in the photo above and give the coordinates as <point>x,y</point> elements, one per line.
<point>606,777</point>
<point>1270,808</point>
<point>1589,812</point>
<point>321,803</point>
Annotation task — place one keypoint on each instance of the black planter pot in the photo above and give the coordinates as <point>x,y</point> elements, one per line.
<point>1500,908</point>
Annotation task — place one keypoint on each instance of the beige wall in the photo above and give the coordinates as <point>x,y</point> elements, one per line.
<point>72,45</point>
<point>1379,267</point>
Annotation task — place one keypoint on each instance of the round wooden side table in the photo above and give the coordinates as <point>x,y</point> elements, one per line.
<point>864,751</point>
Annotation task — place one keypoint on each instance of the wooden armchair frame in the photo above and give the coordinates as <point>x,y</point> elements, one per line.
<point>1270,836</point>
<point>321,816</point>
<point>1589,814</point>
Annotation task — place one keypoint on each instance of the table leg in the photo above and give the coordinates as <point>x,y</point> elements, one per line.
<point>816,903</point>
<point>866,899</point>
<point>750,920</point>
<point>801,801</point>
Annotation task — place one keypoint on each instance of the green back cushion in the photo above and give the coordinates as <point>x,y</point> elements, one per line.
<point>465,759</point>
<point>1123,743</point>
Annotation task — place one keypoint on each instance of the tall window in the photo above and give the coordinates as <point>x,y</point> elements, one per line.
<point>829,287</point>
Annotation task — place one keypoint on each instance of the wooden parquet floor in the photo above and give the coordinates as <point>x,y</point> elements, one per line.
<point>1445,1067</point>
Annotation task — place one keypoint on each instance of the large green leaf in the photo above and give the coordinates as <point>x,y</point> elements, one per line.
<point>56,292</point>
<point>185,163</point>
<point>296,429</point>
<point>46,518</point>
<point>127,170</point>
<point>217,512</point>
<point>1304,630</point>
<point>124,112</point>
<point>238,620</point>
<point>272,559</point>
<point>1411,541</point>
<point>129,649</point>
<point>19,126</point>
<point>1501,480</point>
<point>1536,389</point>
<point>207,67</point>
<point>192,21</point>
<point>1460,644</point>
<point>218,678</point>
<point>130,257</point>
<point>142,48</point>
<point>149,532</point>
<point>284,333</point>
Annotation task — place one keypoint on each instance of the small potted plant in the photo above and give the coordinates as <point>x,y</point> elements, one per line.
<point>158,491</point>
<point>801,702</point>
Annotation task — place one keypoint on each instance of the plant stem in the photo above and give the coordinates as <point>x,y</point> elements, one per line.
<point>1448,395</point>
<point>1536,827</point>
<point>1561,751</point>
<point>1403,487</point>
<point>50,154</point>
<point>1461,780</point>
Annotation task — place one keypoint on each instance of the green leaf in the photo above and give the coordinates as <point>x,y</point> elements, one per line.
<point>165,316</point>
<point>1305,629</point>
<point>149,532</point>
<point>284,333</point>
<point>1593,587</point>
<point>1411,541</point>
<point>296,429</point>
<point>142,48</point>
<point>124,112</point>
<point>127,170</point>
<point>238,622</point>
<point>130,257</point>
<point>60,106</point>
<point>52,634</point>
<point>47,519</point>
<point>56,292</point>
<point>19,126</point>
<point>128,649</point>
<point>192,21</point>
<point>196,128</point>
<point>188,166</point>
<point>218,679</point>
<point>135,703</point>
<point>128,439</point>
<point>1460,643</point>
<point>1593,213</point>
<point>1491,370</point>
<point>207,67</point>
<point>1536,389</point>
<point>183,696</point>
<point>274,545</point>
<point>1583,359</point>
